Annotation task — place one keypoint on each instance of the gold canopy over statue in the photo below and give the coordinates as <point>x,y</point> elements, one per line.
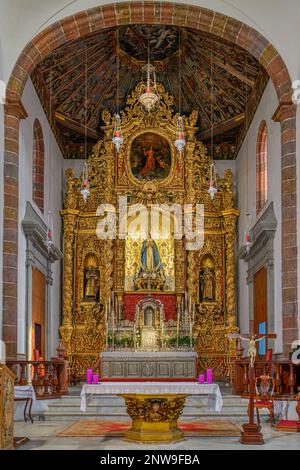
<point>148,170</point>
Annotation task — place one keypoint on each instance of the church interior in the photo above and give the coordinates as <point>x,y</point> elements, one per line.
<point>149,230</point>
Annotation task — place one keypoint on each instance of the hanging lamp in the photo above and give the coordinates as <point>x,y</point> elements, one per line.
<point>85,184</point>
<point>248,239</point>
<point>49,240</point>
<point>212,180</point>
<point>180,138</point>
<point>117,135</point>
<point>150,97</point>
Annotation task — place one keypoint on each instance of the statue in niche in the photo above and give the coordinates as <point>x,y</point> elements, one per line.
<point>151,272</point>
<point>207,280</point>
<point>92,278</point>
<point>150,258</point>
<point>207,285</point>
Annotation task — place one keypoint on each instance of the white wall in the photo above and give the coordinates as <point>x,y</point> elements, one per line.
<point>77,166</point>
<point>265,112</point>
<point>52,201</point>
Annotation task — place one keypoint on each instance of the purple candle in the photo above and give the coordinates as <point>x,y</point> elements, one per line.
<point>209,376</point>
<point>95,379</point>
<point>89,376</point>
<point>201,379</point>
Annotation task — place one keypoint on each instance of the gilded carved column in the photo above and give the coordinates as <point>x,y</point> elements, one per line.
<point>179,269</point>
<point>69,218</point>
<point>108,252</point>
<point>230,217</point>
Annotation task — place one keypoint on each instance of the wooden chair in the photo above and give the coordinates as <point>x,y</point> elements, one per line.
<point>264,389</point>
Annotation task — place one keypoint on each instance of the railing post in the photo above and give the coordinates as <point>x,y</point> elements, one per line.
<point>46,380</point>
<point>23,379</point>
<point>292,380</point>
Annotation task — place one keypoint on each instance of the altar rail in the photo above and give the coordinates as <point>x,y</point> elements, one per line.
<point>49,378</point>
<point>285,373</point>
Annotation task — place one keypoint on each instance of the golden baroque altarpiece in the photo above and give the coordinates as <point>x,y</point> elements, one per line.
<point>94,268</point>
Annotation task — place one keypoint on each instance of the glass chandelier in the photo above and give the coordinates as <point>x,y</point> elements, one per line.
<point>150,97</point>
<point>85,184</point>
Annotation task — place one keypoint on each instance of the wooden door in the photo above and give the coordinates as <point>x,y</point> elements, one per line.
<point>260,304</point>
<point>38,313</point>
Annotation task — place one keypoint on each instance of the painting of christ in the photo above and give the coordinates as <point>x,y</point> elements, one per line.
<point>150,157</point>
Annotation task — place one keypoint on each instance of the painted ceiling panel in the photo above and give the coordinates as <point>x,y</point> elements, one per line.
<point>219,79</point>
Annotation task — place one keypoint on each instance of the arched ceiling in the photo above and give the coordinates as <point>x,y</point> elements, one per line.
<point>219,79</point>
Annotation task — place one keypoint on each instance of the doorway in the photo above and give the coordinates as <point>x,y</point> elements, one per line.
<point>260,305</point>
<point>38,314</point>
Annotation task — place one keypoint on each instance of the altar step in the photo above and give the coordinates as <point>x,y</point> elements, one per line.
<point>67,408</point>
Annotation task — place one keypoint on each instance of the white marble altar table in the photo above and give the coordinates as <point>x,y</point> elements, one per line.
<point>154,407</point>
<point>215,401</point>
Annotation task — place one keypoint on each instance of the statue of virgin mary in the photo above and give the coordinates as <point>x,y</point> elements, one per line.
<point>150,258</point>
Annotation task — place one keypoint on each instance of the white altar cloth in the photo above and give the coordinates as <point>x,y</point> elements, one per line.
<point>215,401</point>
<point>24,391</point>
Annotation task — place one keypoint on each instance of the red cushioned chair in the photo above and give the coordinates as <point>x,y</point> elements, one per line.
<point>264,388</point>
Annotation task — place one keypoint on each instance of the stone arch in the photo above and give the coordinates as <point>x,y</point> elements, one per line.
<point>38,165</point>
<point>261,166</point>
<point>151,12</point>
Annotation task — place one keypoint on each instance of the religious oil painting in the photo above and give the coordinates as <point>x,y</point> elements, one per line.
<point>150,157</point>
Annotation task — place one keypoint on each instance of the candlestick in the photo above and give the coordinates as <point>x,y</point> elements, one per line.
<point>113,329</point>
<point>191,335</point>
<point>106,336</point>
<point>178,319</point>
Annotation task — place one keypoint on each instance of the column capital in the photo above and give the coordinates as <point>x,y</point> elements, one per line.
<point>15,107</point>
<point>285,110</point>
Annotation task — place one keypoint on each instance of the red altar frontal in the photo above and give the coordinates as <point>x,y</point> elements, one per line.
<point>130,300</point>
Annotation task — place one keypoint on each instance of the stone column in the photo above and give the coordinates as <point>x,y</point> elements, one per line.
<point>30,264</point>
<point>49,283</point>
<point>14,112</point>
<point>230,217</point>
<point>286,116</point>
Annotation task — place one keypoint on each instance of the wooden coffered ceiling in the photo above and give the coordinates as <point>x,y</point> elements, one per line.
<point>219,79</point>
